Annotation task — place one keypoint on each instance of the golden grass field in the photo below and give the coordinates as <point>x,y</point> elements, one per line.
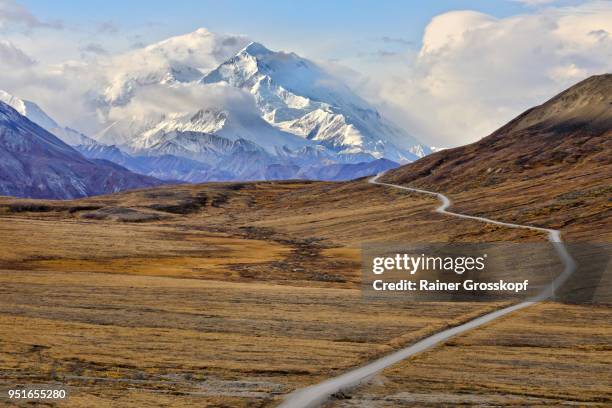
<point>546,355</point>
<point>218,295</point>
<point>235,294</point>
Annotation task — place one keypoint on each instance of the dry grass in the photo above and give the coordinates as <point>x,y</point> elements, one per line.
<point>211,295</point>
<point>219,295</point>
<point>546,355</point>
<point>114,333</point>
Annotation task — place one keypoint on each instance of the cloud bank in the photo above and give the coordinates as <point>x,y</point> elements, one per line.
<point>158,100</point>
<point>474,72</point>
<point>13,57</point>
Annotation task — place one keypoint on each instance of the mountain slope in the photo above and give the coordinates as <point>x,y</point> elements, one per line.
<point>34,163</point>
<point>297,96</point>
<point>28,109</point>
<point>165,166</point>
<point>33,112</point>
<point>214,100</point>
<point>296,102</point>
<point>550,166</point>
<point>227,124</point>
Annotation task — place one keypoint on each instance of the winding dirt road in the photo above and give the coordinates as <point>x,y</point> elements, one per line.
<point>318,394</point>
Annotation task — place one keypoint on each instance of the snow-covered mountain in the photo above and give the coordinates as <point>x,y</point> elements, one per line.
<point>195,154</point>
<point>349,171</point>
<point>296,102</point>
<point>167,167</point>
<point>34,163</point>
<point>297,96</point>
<point>229,125</point>
<point>205,106</point>
<point>28,109</point>
<point>33,112</point>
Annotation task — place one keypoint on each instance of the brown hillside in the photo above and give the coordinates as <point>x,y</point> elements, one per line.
<point>550,166</point>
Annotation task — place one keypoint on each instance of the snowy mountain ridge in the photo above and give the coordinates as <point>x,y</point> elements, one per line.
<point>28,109</point>
<point>204,106</point>
<point>35,163</point>
<point>295,95</point>
<point>33,112</point>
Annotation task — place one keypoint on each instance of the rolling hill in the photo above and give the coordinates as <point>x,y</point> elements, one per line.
<point>549,166</point>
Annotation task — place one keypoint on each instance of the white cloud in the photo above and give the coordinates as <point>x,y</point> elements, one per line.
<point>449,30</point>
<point>200,49</point>
<point>13,57</point>
<point>158,99</point>
<point>14,14</point>
<point>93,48</point>
<point>475,72</point>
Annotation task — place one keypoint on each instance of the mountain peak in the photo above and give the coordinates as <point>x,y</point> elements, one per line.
<point>298,97</point>
<point>256,49</point>
<point>191,39</point>
<point>13,101</point>
<point>29,109</point>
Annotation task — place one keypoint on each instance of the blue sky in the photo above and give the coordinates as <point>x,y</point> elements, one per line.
<point>326,28</point>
